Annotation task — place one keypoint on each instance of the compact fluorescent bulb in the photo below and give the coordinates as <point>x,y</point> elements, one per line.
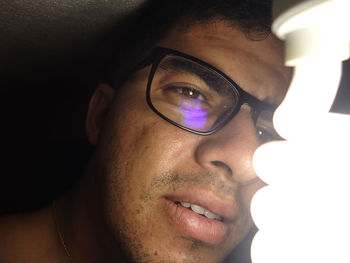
<point>302,215</point>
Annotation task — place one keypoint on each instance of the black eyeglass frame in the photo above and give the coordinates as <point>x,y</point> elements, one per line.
<point>158,55</point>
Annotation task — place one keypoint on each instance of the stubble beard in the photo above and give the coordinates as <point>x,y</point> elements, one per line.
<point>127,233</point>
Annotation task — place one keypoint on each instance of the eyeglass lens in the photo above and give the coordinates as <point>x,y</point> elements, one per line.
<point>192,95</point>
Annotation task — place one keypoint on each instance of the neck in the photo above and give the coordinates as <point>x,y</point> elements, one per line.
<point>82,226</point>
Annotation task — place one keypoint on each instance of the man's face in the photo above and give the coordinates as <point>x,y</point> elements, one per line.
<point>146,166</point>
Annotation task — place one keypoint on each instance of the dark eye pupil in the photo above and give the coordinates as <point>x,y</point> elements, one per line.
<point>190,93</point>
<point>263,135</point>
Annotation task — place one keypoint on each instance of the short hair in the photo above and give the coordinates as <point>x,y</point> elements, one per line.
<point>133,38</point>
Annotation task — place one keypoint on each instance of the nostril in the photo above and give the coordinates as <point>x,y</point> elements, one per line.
<point>222,165</point>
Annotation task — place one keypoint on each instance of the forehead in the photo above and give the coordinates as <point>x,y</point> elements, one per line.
<point>257,66</point>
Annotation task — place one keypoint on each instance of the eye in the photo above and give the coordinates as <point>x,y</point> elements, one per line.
<point>192,93</point>
<point>264,135</point>
<point>186,92</point>
<point>264,128</point>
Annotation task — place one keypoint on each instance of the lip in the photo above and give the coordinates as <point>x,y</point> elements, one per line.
<point>196,226</point>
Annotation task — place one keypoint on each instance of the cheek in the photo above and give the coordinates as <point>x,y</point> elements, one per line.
<point>246,193</point>
<point>150,142</point>
<point>155,148</point>
<point>141,134</point>
<point>140,144</point>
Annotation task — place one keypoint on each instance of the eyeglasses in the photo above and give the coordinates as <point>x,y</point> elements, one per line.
<point>194,96</point>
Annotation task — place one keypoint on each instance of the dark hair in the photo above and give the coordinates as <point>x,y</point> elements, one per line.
<point>133,38</point>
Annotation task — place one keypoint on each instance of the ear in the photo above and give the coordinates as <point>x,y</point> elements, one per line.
<point>98,108</point>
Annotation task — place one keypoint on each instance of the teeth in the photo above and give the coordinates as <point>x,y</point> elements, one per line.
<point>210,215</point>
<point>198,209</point>
<point>201,211</point>
<point>187,205</point>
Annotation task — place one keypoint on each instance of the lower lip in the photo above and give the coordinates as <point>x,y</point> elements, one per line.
<point>209,231</point>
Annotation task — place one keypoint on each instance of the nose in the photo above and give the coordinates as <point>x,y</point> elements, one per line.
<point>230,150</point>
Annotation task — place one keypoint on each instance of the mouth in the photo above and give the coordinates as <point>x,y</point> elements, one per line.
<point>200,210</point>
<point>201,216</point>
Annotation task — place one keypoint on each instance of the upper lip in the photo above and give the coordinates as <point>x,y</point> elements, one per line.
<point>209,200</point>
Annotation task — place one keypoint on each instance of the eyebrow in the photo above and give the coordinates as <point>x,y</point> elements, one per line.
<point>213,79</point>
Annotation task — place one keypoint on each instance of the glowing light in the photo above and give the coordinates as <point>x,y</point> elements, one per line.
<point>303,214</point>
<point>310,96</point>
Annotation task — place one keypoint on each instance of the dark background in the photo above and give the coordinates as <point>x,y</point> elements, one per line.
<point>46,79</point>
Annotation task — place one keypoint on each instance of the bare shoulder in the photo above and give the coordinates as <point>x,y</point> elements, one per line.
<point>26,237</point>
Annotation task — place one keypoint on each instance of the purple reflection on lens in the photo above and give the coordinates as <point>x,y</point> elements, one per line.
<point>194,116</point>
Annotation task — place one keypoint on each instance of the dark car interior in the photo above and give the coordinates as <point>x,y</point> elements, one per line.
<point>46,79</point>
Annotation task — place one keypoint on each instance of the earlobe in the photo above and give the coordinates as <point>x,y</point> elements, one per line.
<point>98,108</point>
